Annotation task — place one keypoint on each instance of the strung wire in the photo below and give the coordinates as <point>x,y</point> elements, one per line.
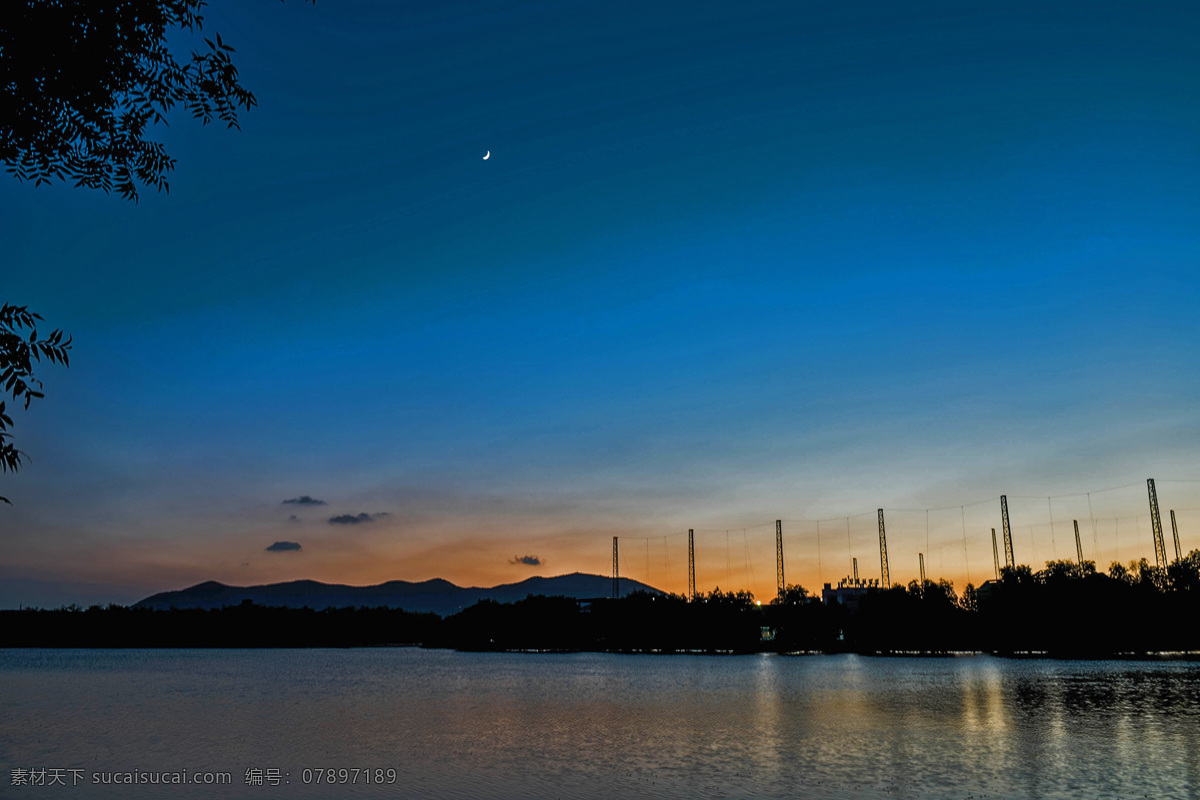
<point>927,533</point>
<point>656,536</point>
<point>944,508</point>
<point>749,565</point>
<point>849,549</point>
<point>1095,539</point>
<point>1117,540</point>
<point>1053,544</point>
<point>1035,535</point>
<point>992,499</point>
<point>966,563</point>
<point>1139,529</point>
<point>1078,494</point>
<point>820,576</point>
<point>728,571</point>
<point>667,557</point>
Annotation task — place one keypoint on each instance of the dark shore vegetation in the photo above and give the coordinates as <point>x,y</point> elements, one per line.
<point>1064,610</point>
<point>245,625</point>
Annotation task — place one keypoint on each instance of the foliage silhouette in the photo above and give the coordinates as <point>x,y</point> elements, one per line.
<point>245,625</point>
<point>1183,574</point>
<point>81,81</point>
<point>1071,610</point>
<point>18,354</point>
<point>970,598</point>
<point>793,594</point>
<point>1016,575</point>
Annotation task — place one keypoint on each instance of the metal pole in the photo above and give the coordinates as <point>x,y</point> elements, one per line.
<point>691,565</point>
<point>779,557</point>
<point>885,580</point>
<point>921,556</point>
<point>1078,545</point>
<point>995,554</point>
<point>616,587</point>
<point>1160,549</point>
<point>1175,532</point>
<point>1008,549</point>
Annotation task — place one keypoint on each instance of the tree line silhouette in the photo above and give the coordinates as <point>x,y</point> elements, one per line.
<point>1068,609</point>
<point>244,625</point>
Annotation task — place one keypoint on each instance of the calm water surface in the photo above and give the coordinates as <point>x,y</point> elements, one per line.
<point>456,725</point>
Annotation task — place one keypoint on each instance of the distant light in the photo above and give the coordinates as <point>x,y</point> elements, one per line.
<point>758,602</point>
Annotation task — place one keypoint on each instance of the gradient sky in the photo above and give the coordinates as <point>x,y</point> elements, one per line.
<point>727,263</point>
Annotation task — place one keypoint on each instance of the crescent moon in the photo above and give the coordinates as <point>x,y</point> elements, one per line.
<point>489,153</point>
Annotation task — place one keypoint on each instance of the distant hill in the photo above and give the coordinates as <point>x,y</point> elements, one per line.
<point>437,595</point>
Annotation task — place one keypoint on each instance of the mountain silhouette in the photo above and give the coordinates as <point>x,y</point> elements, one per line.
<point>436,595</point>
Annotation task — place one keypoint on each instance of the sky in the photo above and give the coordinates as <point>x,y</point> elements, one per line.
<point>727,263</point>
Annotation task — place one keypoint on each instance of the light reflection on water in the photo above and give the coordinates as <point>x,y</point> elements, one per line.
<point>456,725</point>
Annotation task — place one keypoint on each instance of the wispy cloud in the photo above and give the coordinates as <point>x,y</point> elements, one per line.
<point>304,500</point>
<point>531,561</point>
<point>284,547</point>
<point>355,519</point>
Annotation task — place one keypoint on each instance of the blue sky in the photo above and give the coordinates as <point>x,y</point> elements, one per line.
<point>726,263</point>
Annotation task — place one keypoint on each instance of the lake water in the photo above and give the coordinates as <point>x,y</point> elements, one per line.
<point>458,725</point>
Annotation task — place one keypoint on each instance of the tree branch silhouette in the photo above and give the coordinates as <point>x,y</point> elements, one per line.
<point>18,355</point>
<point>82,80</point>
